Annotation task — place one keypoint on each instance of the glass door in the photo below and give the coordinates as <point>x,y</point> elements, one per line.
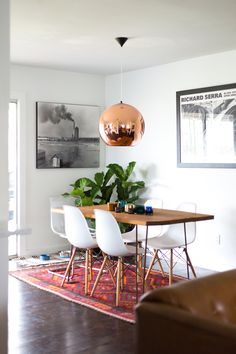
<point>13,178</point>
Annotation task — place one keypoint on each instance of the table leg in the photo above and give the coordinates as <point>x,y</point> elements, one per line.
<point>185,240</point>
<point>136,261</point>
<point>145,259</point>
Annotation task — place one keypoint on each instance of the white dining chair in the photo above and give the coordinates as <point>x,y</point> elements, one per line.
<point>111,243</point>
<point>175,240</point>
<point>79,236</point>
<point>57,219</point>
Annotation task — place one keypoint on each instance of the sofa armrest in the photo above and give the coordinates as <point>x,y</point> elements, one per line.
<point>164,329</point>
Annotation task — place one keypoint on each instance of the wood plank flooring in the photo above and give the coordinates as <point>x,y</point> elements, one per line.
<point>42,323</point>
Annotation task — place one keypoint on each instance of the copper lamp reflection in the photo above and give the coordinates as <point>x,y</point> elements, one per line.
<point>121,125</point>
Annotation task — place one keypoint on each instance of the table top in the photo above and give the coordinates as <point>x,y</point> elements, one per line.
<point>159,216</point>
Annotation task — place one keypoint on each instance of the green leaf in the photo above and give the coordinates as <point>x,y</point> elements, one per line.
<point>109,174</point>
<point>107,192</point>
<point>121,195</point>
<point>132,199</point>
<point>102,201</point>
<point>77,193</point>
<point>126,184</point>
<point>94,191</point>
<point>86,201</point>
<point>140,183</point>
<point>129,169</point>
<point>84,182</point>
<point>99,177</point>
<point>78,202</point>
<point>117,170</point>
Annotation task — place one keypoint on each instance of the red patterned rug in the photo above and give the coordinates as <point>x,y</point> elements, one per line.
<point>104,296</point>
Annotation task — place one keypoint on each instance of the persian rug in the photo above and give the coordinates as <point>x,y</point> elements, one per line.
<point>103,299</point>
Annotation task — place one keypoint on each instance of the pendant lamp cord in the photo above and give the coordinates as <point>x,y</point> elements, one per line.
<point>121,77</point>
<point>121,41</point>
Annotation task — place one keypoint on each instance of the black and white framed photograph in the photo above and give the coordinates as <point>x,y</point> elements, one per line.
<point>67,135</point>
<point>206,127</point>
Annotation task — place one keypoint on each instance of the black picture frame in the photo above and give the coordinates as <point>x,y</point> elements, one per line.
<point>67,135</point>
<point>206,127</point>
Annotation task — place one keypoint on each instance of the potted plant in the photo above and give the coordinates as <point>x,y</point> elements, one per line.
<point>115,184</point>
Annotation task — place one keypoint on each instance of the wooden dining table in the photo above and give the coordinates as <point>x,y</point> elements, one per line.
<point>159,217</point>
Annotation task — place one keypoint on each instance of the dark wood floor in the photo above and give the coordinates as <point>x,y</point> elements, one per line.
<point>42,323</point>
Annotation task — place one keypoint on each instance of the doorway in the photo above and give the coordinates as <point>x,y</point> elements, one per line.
<point>13,178</point>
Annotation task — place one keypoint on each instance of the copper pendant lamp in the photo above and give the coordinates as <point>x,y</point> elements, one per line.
<point>121,124</point>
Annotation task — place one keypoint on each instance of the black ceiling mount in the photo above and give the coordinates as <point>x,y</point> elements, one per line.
<point>121,40</point>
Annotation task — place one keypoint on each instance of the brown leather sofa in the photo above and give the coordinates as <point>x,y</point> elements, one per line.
<point>191,317</point>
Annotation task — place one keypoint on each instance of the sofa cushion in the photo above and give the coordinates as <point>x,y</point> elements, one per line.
<point>212,296</point>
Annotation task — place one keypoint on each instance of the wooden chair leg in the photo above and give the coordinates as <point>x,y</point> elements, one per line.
<point>90,264</point>
<point>109,270</point>
<point>99,275</point>
<point>190,263</point>
<point>71,271</point>
<point>118,281</point>
<point>86,271</point>
<point>160,265</point>
<point>171,267</point>
<point>122,275</point>
<point>140,269</point>
<point>111,275</point>
<point>69,265</point>
<point>151,265</point>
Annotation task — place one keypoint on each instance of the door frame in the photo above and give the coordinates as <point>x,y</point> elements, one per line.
<point>20,99</point>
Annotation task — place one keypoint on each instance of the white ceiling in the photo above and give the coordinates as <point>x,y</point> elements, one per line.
<point>78,35</point>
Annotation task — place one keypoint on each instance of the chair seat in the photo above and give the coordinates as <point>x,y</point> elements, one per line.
<point>132,250</point>
<point>130,237</point>
<point>128,251</point>
<point>164,242</point>
<point>92,243</point>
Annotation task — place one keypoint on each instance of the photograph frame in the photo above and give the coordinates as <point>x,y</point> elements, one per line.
<point>67,135</point>
<point>200,115</point>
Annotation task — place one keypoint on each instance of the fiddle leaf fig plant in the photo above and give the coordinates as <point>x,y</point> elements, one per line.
<point>114,183</point>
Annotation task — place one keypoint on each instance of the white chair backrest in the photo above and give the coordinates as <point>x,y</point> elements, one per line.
<point>76,228</point>
<point>176,231</point>
<point>57,219</point>
<point>108,234</point>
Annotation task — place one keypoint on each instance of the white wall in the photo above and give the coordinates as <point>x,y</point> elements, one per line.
<point>153,92</point>
<point>29,85</point>
<point>4,99</point>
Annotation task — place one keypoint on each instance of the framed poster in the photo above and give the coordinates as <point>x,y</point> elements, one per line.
<point>206,127</point>
<point>67,135</point>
